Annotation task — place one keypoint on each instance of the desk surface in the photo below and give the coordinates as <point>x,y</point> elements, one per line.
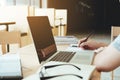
<point>30,62</point>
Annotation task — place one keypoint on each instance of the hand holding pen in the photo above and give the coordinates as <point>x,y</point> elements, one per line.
<point>84,40</point>
<point>90,44</point>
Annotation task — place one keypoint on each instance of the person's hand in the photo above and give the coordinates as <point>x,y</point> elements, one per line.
<point>90,44</point>
<point>82,41</point>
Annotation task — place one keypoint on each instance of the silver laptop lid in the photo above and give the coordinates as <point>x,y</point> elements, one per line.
<point>42,36</point>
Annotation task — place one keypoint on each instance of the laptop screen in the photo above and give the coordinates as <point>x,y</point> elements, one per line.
<point>42,36</point>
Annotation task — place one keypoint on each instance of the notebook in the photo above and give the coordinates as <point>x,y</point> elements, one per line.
<point>65,40</point>
<point>45,44</point>
<point>10,67</point>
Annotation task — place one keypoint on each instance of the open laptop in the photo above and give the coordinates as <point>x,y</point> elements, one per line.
<point>46,47</point>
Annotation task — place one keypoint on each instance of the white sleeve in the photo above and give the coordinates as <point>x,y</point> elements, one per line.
<point>116,43</point>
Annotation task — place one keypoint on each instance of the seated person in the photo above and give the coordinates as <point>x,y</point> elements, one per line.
<point>109,58</point>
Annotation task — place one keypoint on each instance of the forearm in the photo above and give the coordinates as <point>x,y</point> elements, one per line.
<point>101,44</point>
<point>107,59</point>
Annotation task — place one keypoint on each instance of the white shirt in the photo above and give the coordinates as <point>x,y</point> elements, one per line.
<point>116,43</point>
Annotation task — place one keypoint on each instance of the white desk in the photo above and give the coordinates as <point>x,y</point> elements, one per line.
<point>31,64</point>
<point>29,60</point>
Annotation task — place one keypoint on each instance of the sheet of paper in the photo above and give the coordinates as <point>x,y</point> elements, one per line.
<point>74,47</point>
<point>65,39</point>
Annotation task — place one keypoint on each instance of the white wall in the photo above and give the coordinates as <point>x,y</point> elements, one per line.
<point>16,14</point>
<point>34,3</point>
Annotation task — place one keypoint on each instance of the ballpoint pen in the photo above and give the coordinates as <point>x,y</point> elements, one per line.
<point>86,38</point>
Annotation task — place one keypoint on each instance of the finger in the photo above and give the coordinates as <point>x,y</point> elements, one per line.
<point>81,41</point>
<point>84,46</point>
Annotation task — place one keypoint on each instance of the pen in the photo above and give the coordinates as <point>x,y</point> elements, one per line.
<point>86,38</point>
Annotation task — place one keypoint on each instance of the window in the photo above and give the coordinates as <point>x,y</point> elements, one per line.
<point>19,2</point>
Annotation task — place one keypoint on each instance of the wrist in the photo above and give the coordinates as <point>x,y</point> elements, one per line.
<point>100,44</point>
<point>99,50</point>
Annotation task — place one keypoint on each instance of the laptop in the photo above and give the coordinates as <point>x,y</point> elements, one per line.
<point>45,44</point>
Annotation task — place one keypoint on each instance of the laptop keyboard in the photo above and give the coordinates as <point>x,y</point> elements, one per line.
<point>63,56</point>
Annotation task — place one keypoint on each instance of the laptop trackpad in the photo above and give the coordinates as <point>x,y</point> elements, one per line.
<point>83,58</point>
